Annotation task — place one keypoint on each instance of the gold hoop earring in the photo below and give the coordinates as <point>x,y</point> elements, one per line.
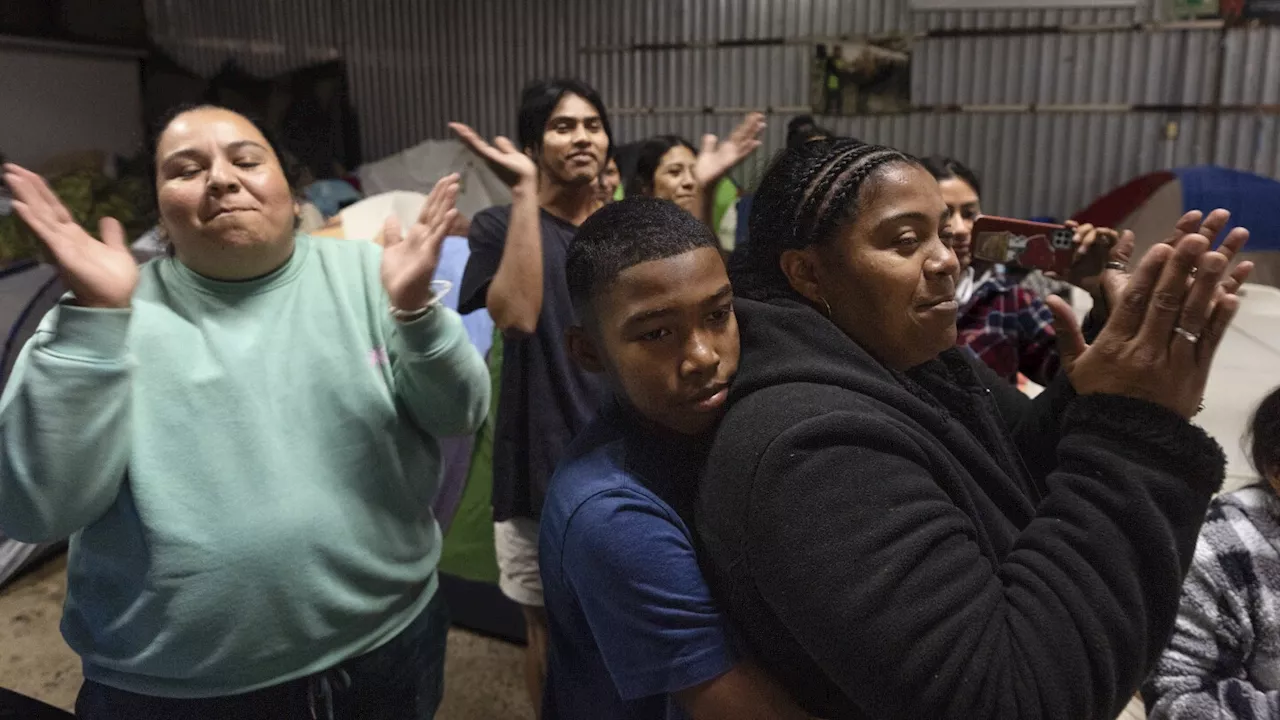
<point>827,305</point>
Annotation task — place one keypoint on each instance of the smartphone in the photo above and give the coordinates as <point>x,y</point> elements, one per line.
<point>1033,246</point>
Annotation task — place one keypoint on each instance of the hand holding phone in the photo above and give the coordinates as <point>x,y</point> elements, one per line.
<point>1036,246</point>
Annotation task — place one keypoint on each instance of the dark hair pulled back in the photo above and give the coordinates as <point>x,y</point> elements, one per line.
<point>649,159</point>
<point>946,168</point>
<point>1263,436</point>
<point>290,166</point>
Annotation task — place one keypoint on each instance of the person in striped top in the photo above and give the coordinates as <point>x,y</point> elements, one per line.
<point>1224,658</point>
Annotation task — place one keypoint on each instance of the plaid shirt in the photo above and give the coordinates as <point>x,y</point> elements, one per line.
<point>1010,329</point>
<point>1224,658</point>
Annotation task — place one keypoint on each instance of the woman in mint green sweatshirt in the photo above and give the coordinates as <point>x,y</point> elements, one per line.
<point>241,442</point>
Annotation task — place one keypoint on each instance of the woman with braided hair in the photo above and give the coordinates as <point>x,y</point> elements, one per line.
<point>898,533</point>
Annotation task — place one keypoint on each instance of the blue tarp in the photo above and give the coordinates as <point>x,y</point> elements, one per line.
<point>1254,201</point>
<point>453,260</point>
<point>456,451</point>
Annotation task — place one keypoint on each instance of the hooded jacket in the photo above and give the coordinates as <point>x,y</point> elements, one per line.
<point>931,544</point>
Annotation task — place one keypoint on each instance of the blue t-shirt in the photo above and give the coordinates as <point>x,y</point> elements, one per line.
<point>631,618</point>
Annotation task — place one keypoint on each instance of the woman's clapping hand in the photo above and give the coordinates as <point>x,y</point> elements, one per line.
<point>1166,323</point>
<point>99,274</point>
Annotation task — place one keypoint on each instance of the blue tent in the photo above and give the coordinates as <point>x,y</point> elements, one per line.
<point>1151,203</point>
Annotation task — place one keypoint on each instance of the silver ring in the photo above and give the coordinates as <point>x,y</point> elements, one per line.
<point>1187,335</point>
<point>1114,265</point>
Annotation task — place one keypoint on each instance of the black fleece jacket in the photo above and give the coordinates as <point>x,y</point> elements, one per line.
<point>931,544</point>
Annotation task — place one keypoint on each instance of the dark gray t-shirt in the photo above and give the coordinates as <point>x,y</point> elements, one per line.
<point>544,399</point>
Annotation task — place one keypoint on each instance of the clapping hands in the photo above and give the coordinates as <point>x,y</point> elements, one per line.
<point>410,259</point>
<point>99,274</point>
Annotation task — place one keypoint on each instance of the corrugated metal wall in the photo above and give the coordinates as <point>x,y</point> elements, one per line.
<point>416,64</point>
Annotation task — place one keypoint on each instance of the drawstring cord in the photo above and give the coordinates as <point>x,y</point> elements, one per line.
<point>321,686</point>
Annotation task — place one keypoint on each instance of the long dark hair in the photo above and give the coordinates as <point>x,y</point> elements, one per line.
<point>1264,436</point>
<point>946,168</point>
<point>648,158</point>
<point>806,196</point>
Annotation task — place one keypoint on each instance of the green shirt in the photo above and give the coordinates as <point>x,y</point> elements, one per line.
<point>246,470</point>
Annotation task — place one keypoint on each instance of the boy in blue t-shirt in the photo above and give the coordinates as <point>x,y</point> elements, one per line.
<point>634,631</point>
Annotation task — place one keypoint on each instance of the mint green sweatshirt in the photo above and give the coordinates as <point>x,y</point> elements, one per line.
<point>246,470</point>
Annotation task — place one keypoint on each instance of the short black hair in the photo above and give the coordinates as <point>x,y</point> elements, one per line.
<point>806,196</point>
<point>1264,436</point>
<point>539,100</point>
<point>945,168</point>
<point>648,158</point>
<point>621,235</point>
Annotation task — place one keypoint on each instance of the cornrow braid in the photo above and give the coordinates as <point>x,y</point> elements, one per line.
<point>806,196</point>
<point>817,192</point>
<point>845,191</point>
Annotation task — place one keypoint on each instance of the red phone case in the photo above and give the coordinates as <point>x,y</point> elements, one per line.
<point>1022,243</point>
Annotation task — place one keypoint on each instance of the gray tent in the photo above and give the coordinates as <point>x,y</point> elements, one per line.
<point>27,292</point>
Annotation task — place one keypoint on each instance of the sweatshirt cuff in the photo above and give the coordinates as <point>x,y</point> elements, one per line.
<point>431,333</point>
<point>95,334</point>
<point>1060,394</point>
<point>1165,439</point>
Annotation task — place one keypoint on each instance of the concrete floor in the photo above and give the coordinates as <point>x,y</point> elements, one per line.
<point>483,677</point>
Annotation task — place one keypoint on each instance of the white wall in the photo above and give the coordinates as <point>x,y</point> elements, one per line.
<point>53,102</point>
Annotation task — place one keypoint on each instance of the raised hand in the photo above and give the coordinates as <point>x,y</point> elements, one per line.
<point>1159,342</point>
<point>409,260</point>
<point>717,157</point>
<point>1195,222</point>
<point>1116,276</point>
<point>515,168</point>
<point>99,274</point>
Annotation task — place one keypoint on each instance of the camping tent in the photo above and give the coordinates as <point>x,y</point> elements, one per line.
<point>418,168</point>
<point>1247,365</point>
<point>1149,205</point>
<point>1245,369</point>
<point>27,291</point>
